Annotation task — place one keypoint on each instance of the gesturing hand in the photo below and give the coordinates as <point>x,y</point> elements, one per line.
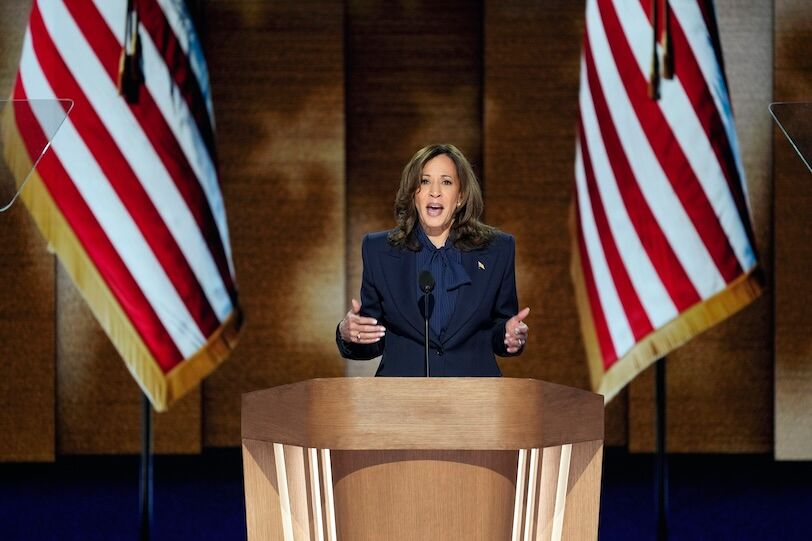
<point>358,329</point>
<point>516,331</point>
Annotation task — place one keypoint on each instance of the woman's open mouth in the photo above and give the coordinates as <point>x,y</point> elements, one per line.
<point>434,209</point>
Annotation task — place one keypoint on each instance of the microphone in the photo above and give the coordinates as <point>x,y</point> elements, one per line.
<point>426,283</point>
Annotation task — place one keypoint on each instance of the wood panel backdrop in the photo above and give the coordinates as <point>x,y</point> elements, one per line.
<point>319,104</point>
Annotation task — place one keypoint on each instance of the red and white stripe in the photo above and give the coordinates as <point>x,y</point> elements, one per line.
<point>662,215</point>
<point>137,183</point>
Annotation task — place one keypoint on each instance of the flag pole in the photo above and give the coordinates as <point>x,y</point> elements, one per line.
<point>662,457</point>
<point>145,485</point>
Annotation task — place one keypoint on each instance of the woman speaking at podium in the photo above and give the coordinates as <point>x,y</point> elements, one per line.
<point>473,309</point>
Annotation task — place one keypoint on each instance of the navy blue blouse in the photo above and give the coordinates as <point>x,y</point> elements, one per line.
<point>445,265</point>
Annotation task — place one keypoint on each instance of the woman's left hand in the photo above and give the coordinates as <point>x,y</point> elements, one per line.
<point>516,331</point>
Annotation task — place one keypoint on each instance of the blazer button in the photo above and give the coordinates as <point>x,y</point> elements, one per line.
<point>439,351</point>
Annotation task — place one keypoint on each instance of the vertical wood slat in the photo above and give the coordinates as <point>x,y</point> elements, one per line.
<point>285,505</point>
<point>412,79</point>
<point>263,492</point>
<point>530,517</point>
<point>550,469</point>
<point>298,485</point>
<point>720,383</point>
<point>562,494</point>
<point>277,72</point>
<point>329,501</point>
<point>793,251</point>
<point>315,479</point>
<point>520,504</point>
<point>27,405</point>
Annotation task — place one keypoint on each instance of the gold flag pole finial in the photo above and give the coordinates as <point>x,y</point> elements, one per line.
<point>130,75</point>
<point>654,74</point>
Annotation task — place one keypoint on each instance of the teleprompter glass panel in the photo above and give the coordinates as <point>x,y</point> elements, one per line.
<point>27,128</point>
<point>795,120</point>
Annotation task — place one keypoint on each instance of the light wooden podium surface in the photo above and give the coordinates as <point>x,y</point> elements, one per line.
<point>422,458</point>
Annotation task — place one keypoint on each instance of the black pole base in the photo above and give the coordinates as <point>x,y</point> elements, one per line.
<point>145,484</point>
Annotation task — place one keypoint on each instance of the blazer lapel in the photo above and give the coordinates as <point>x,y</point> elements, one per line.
<point>477,264</point>
<point>400,276</point>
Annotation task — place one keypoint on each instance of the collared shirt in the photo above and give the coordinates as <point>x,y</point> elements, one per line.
<point>445,265</point>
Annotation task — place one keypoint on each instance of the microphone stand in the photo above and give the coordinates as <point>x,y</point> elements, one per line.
<point>426,284</point>
<point>426,334</point>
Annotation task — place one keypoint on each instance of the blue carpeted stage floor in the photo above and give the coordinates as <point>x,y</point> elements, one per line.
<point>200,497</point>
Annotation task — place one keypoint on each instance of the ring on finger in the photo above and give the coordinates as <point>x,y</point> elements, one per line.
<point>358,337</point>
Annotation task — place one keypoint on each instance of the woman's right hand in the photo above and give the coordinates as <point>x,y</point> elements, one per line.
<point>359,329</point>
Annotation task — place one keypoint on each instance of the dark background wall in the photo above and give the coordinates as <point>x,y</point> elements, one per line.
<point>319,104</point>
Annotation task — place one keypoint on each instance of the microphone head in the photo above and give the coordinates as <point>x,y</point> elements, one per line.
<point>426,282</point>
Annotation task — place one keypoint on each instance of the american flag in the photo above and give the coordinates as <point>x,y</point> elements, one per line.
<point>662,242</point>
<point>129,196</point>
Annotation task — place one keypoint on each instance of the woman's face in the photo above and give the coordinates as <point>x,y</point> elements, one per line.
<point>437,196</point>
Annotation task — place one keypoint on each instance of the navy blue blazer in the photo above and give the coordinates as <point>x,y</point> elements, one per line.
<point>476,331</point>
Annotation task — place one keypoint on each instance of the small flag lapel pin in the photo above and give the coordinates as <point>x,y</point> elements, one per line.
<point>480,265</point>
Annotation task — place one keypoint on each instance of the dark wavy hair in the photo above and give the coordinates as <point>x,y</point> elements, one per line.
<point>467,232</point>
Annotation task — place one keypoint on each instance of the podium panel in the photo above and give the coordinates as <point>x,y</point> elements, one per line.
<point>417,459</point>
<point>424,494</point>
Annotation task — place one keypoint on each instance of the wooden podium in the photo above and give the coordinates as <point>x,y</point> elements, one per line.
<point>422,459</point>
